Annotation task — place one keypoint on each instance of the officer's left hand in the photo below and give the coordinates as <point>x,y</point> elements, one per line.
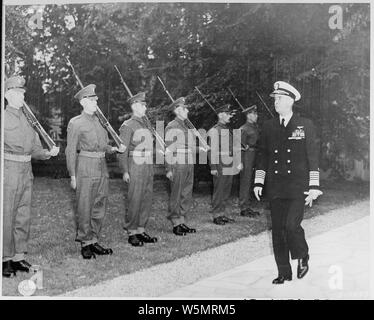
<point>53,152</point>
<point>240,167</point>
<point>312,194</point>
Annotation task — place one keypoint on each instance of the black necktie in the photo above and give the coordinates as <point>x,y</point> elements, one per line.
<point>283,125</point>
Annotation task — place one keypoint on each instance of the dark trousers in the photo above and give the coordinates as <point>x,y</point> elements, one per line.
<point>287,233</point>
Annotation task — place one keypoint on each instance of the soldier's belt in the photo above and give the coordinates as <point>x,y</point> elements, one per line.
<point>17,157</point>
<point>138,153</point>
<point>183,150</point>
<point>225,153</point>
<point>92,154</point>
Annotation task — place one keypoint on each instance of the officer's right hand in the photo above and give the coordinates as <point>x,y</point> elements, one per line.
<point>214,172</point>
<point>54,151</point>
<point>126,177</point>
<point>73,182</point>
<point>169,175</point>
<point>258,192</point>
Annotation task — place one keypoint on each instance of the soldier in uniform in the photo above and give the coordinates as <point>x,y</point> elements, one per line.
<point>21,143</point>
<point>88,172</point>
<point>137,167</point>
<point>249,137</point>
<point>288,158</point>
<point>221,164</point>
<point>179,167</point>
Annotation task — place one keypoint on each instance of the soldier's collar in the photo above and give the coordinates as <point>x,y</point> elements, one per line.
<point>137,118</point>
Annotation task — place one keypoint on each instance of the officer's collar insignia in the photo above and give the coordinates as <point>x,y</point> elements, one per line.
<point>298,133</point>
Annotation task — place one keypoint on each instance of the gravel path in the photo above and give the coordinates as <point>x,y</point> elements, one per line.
<point>164,278</point>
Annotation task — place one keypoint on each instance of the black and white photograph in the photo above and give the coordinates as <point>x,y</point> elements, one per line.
<point>185,150</point>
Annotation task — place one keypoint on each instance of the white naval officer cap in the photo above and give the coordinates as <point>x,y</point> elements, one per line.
<point>285,89</point>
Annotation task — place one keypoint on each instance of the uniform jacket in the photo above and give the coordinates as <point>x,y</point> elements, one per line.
<point>85,132</point>
<point>179,137</point>
<point>19,136</point>
<point>288,158</point>
<point>135,136</point>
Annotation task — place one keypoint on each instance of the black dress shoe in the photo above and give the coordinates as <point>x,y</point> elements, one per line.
<point>135,240</point>
<point>22,266</point>
<point>219,220</point>
<point>146,238</point>
<point>227,219</point>
<point>302,267</point>
<point>188,229</point>
<point>282,279</point>
<point>98,249</point>
<point>8,270</point>
<point>179,231</point>
<point>87,252</point>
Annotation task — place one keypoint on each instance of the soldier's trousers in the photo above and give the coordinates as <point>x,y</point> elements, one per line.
<point>139,196</point>
<point>246,180</point>
<point>287,233</point>
<point>92,196</point>
<point>221,192</point>
<point>18,180</point>
<point>180,192</point>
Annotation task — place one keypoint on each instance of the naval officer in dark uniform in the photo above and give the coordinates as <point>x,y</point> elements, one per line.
<point>288,160</point>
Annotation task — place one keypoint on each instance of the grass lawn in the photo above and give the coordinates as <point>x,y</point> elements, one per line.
<point>52,243</point>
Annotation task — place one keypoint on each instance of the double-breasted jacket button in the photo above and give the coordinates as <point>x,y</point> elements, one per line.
<point>275,151</point>
<point>276,171</point>
<point>288,150</point>
<point>275,161</point>
<point>289,171</point>
<point>288,161</point>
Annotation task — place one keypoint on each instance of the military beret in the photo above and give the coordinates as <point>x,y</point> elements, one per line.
<point>15,82</point>
<point>224,108</point>
<point>139,97</point>
<point>86,92</point>
<point>178,102</point>
<point>285,89</point>
<point>250,109</point>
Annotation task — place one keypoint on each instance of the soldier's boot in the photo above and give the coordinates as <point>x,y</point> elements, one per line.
<point>179,231</point>
<point>135,240</point>
<point>147,238</point>
<point>249,213</point>
<point>22,266</point>
<point>99,250</point>
<point>302,267</point>
<point>227,220</point>
<point>8,270</point>
<point>219,221</point>
<point>188,229</point>
<point>87,252</point>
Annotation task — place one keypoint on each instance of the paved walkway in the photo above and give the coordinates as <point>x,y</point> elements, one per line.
<point>339,269</point>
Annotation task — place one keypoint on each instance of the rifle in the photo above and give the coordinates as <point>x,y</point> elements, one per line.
<point>37,126</point>
<point>237,101</point>
<point>262,100</point>
<point>187,121</point>
<point>147,122</point>
<point>104,122</point>
<point>243,146</point>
